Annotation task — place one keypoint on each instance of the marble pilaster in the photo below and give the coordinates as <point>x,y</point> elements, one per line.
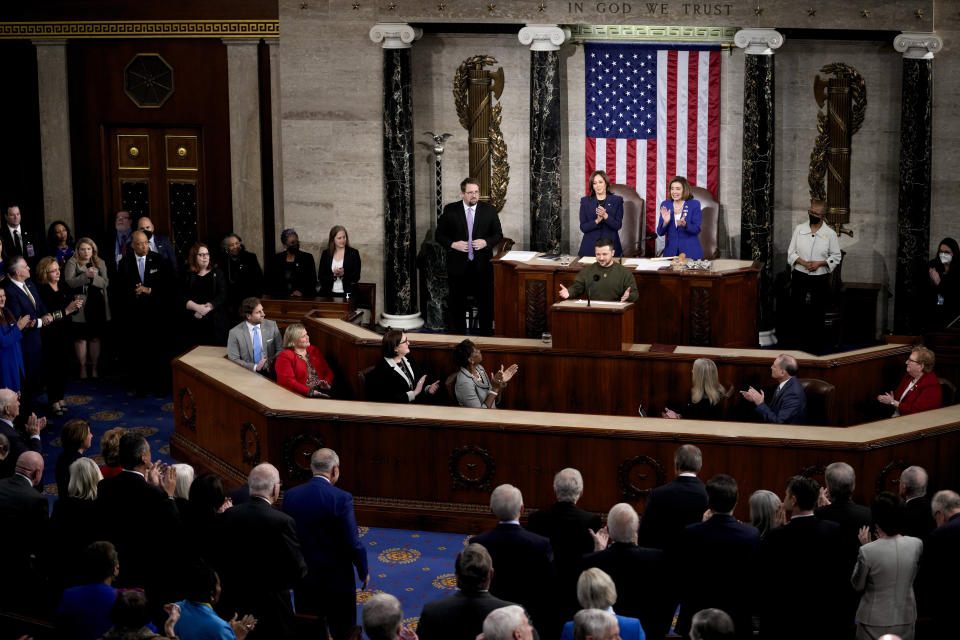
<point>913,211</point>
<point>246,188</point>
<point>54,102</point>
<point>276,122</point>
<point>756,226</point>
<point>400,232</point>
<point>546,212</point>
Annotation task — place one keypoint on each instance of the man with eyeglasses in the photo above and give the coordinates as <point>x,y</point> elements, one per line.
<point>470,230</point>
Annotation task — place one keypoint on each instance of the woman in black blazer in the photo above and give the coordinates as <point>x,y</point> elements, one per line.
<point>395,378</point>
<point>339,270</point>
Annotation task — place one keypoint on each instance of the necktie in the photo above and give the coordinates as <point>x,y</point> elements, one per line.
<point>26,290</point>
<point>123,245</point>
<point>257,350</point>
<point>469,233</point>
<point>140,260</point>
<point>16,241</point>
<point>776,397</point>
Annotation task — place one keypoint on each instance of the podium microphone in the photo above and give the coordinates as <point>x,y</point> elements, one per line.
<point>596,277</point>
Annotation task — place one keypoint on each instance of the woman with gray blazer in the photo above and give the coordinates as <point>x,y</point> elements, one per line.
<point>475,387</point>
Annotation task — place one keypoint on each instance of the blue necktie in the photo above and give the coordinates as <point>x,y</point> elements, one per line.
<point>257,350</point>
<point>140,261</point>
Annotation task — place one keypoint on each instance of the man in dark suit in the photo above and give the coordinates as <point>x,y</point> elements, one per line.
<point>789,403</point>
<point>716,562</point>
<point>470,231</point>
<point>18,241</point>
<point>115,244</point>
<point>523,561</point>
<point>804,571</point>
<point>159,244</point>
<point>940,565</point>
<point>673,506</point>
<point>327,530</point>
<point>917,517</point>
<point>568,527</point>
<point>17,444</point>
<point>254,343</point>
<point>23,299</point>
<point>260,560</point>
<point>460,616</point>
<point>638,573</point>
<point>23,529</point>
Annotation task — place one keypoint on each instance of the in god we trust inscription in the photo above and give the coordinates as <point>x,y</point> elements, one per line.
<point>652,8</point>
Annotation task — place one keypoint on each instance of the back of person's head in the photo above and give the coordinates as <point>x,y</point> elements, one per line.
<point>381,617</point>
<point>506,502</point>
<point>763,510</point>
<point>595,589</point>
<point>7,397</point>
<point>110,445</point>
<point>185,475</point>
<point>462,353</point>
<point>501,623</point>
<point>722,493</point>
<point>805,490</point>
<point>568,485</point>
<point>711,624</point>
<point>324,461</point>
<point>262,479</point>
<point>688,459</point>
<point>887,512</point>
<point>913,482</point>
<point>129,610</point>
<point>206,493</point>
<point>622,523</point>
<point>133,447</point>
<point>84,477</point>
<point>202,584</point>
<point>705,381</point>
<point>841,481</point>
<point>594,623</point>
<point>73,435</point>
<point>472,568</point>
<point>100,561</point>
<point>945,501</point>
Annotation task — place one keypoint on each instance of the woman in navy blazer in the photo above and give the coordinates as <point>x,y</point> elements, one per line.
<point>680,221</point>
<point>601,215</point>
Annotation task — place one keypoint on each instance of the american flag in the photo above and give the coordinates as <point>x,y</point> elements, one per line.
<point>653,112</point>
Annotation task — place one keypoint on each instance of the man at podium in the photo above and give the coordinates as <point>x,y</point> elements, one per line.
<point>604,279</point>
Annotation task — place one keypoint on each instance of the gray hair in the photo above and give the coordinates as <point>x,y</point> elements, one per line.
<point>506,502</point>
<point>840,479</point>
<point>688,458</point>
<point>262,479</point>
<point>324,460</point>
<point>592,622</point>
<point>945,501</point>
<point>84,476</point>
<point>381,617</point>
<point>185,475</point>
<point>500,623</point>
<point>914,482</point>
<point>595,589</point>
<point>568,485</point>
<point>710,624</point>
<point>7,397</point>
<point>763,510</point>
<point>622,523</point>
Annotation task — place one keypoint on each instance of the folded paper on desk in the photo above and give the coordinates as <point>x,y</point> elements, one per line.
<point>608,303</point>
<point>587,260</point>
<point>519,256</point>
<point>644,264</point>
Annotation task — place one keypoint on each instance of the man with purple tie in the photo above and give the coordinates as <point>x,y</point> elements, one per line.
<point>470,231</point>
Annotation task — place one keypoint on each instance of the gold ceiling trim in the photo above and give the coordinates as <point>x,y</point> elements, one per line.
<point>652,33</point>
<point>142,29</point>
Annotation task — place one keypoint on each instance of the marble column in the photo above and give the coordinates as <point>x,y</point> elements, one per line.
<point>276,122</point>
<point>546,214</point>
<point>399,215</point>
<point>56,168</point>
<point>913,211</point>
<point>756,225</point>
<point>243,81</point>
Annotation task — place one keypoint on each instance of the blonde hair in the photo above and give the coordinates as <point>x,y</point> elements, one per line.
<point>95,256</point>
<point>84,477</point>
<point>42,276</point>
<point>925,357</point>
<point>110,445</point>
<point>595,589</point>
<point>292,334</point>
<point>706,382</point>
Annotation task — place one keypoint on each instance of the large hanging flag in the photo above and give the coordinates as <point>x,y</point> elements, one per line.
<point>652,113</point>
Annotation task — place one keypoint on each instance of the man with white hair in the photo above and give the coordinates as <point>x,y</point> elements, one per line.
<point>261,560</point>
<point>568,527</point>
<point>507,623</point>
<point>382,618</point>
<point>522,561</point>
<point>638,573</point>
<point>917,518</point>
<point>9,410</point>
<point>595,624</point>
<point>940,565</point>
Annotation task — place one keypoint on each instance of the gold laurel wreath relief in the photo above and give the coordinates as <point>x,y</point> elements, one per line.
<point>818,157</point>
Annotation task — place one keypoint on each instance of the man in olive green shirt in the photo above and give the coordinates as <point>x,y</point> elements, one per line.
<point>607,280</point>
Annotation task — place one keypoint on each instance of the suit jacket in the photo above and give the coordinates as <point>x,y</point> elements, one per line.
<point>23,525</point>
<point>788,406</point>
<point>917,519</point>
<point>164,249</point>
<point>110,252</point>
<point>939,568</point>
<point>640,577</point>
<point>259,563</point>
<point>292,372</point>
<point>522,569</point>
<point>681,239</point>
<point>384,384</point>
<point>244,277</point>
<point>630,629</point>
<point>717,560</point>
<point>885,571</point>
<point>351,271</point>
<point>304,277</point>
<point>19,305</point>
<point>11,356</point>
<point>609,228</point>
<point>18,444</point>
<point>157,275</point>
<point>458,616</point>
<point>27,237</point>
<point>452,227</point>
<point>925,395</point>
<point>240,345</point>
<point>327,530</point>
<point>669,509</point>
<point>851,517</point>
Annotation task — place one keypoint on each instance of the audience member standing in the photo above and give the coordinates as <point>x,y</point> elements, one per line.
<point>383,619</point>
<point>917,517</point>
<point>84,611</point>
<point>159,244</point>
<point>339,270</point>
<point>30,441</point>
<point>327,530</point>
<point>203,294</point>
<point>242,271</point>
<point>60,242</point>
<point>23,299</point>
<point>11,356</point>
<point>676,504</point>
<point>116,243</point>
<point>75,438</point>
<point>87,275</point>
<point>23,534</point>
<point>75,521</point>
<point>291,272</point>
<point>940,564</point>
<point>18,241</point>
<point>61,304</point>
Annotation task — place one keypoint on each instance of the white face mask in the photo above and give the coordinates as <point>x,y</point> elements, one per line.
<point>946,258</point>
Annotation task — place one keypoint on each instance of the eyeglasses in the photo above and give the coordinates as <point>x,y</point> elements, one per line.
<point>203,255</point>
<point>405,341</point>
<point>914,361</point>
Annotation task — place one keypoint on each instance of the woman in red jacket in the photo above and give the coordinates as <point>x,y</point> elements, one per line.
<point>300,366</point>
<point>919,390</point>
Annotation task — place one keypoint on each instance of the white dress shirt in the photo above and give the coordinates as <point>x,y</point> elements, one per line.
<point>813,247</point>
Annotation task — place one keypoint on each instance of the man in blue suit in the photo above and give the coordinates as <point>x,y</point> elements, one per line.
<point>327,530</point>
<point>789,404</point>
<point>23,299</point>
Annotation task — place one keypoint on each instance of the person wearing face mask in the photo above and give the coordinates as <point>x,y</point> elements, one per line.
<point>943,286</point>
<point>813,254</point>
<point>159,243</point>
<point>292,272</point>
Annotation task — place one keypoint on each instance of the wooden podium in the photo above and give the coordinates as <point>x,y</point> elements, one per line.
<point>602,326</point>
